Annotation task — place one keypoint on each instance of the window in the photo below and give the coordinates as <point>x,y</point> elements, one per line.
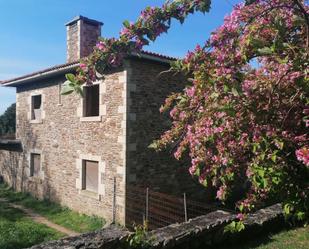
<point>90,173</point>
<point>35,164</point>
<point>91,101</point>
<point>36,107</point>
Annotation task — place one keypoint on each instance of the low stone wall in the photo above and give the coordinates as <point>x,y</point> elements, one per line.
<point>10,172</point>
<point>113,237</point>
<point>196,233</point>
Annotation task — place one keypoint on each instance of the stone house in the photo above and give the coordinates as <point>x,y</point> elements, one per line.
<point>84,152</point>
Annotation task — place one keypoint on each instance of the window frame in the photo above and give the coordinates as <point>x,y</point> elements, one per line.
<point>30,113</point>
<point>32,174</point>
<point>102,107</point>
<point>33,116</point>
<point>86,105</point>
<point>101,176</point>
<point>84,176</point>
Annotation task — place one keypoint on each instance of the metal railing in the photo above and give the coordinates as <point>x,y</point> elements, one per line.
<point>161,209</point>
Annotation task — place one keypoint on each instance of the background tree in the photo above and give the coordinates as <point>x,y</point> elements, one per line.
<point>8,121</point>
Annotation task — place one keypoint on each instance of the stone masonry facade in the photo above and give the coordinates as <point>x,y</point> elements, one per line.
<point>63,139</point>
<point>148,86</point>
<point>128,121</point>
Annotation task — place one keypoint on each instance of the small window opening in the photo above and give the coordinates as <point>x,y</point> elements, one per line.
<point>36,107</point>
<point>91,101</point>
<point>35,164</point>
<point>90,174</point>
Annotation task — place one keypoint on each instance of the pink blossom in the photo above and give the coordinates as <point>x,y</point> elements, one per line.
<point>100,45</point>
<point>83,66</point>
<point>303,155</point>
<point>240,216</point>
<point>190,91</point>
<point>221,193</point>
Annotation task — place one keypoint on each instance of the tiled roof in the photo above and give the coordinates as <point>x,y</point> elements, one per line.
<point>74,64</point>
<point>53,68</point>
<point>162,56</point>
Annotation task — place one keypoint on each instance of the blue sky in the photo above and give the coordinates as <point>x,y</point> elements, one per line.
<point>33,35</point>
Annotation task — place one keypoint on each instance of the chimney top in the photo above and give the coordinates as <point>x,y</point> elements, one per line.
<point>82,35</point>
<point>85,19</point>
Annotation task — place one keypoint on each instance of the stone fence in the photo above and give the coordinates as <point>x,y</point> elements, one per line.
<point>196,233</point>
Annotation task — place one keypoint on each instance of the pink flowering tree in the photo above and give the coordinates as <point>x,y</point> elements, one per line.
<point>243,117</point>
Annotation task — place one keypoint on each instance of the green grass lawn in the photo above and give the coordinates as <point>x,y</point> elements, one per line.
<point>297,238</point>
<point>18,231</point>
<point>54,212</point>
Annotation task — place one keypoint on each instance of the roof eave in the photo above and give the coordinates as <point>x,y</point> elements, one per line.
<point>152,58</point>
<point>41,76</point>
<point>69,68</point>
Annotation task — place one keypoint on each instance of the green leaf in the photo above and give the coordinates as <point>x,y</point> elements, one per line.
<point>265,51</point>
<point>255,146</point>
<point>205,184</point>
<point>300,215</point>
<point>197,172</point>
<point>261,172</point>
<point>264,183</point>
<point>126,23</point>
<point>286,209</point>
<point>241,207</point>
<point>214,95</point>
<point>240,226</point>
<point>274,157</point>
<point>70,77</point>
<point>276,180</point>
<point>67,88</point>
<point>153,146</point>
<point>79,90</point>
<point>235,92</point>
<point>225,88</point>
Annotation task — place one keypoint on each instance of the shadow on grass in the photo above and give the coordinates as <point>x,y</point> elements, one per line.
<point>10,214</point>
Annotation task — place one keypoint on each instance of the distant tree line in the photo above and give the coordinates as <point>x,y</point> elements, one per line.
<point>8,122</point>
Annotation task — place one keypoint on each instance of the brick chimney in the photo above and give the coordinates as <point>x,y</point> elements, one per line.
<point>82,36</point>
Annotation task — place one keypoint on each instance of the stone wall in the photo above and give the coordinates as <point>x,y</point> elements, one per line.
<point>64,138</point>
<point>72,42</point>
<point>89,34</point>
<point>148,86</point>
<point>198,233</point>
<point>10,170</point>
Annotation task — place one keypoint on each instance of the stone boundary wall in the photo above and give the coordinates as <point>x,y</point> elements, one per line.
<point>196,233</point>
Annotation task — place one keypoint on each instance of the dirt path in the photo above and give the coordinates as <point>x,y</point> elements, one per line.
<point>40,219</point>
